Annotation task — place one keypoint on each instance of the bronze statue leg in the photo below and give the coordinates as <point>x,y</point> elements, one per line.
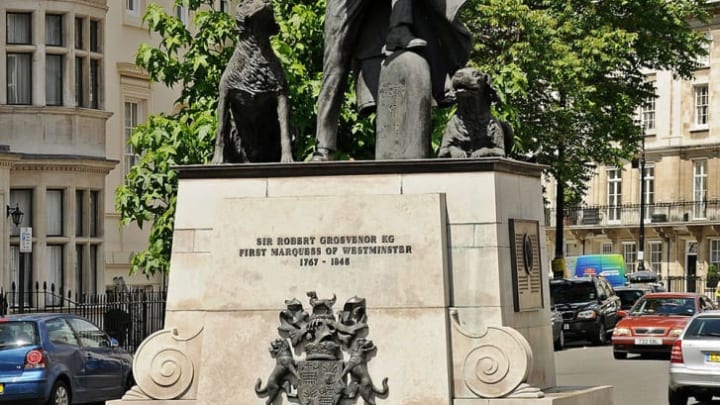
<point>342,20</point>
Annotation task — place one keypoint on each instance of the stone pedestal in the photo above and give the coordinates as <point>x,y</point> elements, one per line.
<point>404,108</point>
<point>431,245</point>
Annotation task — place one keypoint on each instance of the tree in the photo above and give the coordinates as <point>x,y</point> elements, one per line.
<point>571,75</point>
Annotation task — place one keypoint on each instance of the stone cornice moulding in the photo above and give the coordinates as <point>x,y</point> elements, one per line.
<point>132,70</point>
<point>359,167</point>
<point>82,165</point>
<point>51,110</point>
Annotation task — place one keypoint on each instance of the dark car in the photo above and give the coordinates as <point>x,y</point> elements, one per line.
<point>588,306</point>
<point>557,329</point>
<point>630,294</point>
<point>60,359</point>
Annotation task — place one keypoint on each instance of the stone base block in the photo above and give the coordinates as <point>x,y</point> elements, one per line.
<point>600,395</point>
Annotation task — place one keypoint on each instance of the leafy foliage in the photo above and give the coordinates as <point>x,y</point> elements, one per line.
<point>571,75</point>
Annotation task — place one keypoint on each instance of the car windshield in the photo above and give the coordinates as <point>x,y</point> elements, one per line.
<point>664,306</point>
<point>701,328</point>
<point>17,334</point>
<point>568,293</point>
<point>629,297</point>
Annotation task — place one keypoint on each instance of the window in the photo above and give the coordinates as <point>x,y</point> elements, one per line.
<point>223,6</point>
<point>56,272</point>
<point>614,194</point>
<point>715,252</point>
<point>649,196</point>
<point>19,76</point>
<point>79,213</point>
<point>54,79</point>
<point>181,12</point>
<point>630,255</point>
<point>606,248</point>
<point>655,255</point>
<point>94,213</point>
<point>131,121</point>
<point>53,30</point>
<point>132,7</point>
<point>60,333</point>
<point>19,28</point>
<point>701,105</point>
<point>94,83</point>
<point>15,274</point>
<point>89,334</point>
<point>704,60</point>
<point>93,270</point>
<point>79,82</point>
<point>648,114</point>
<point>79,40</point>
<point>22,199</point>
<point>79,268</point>
<point>54,210</point>
<point>94,36</point>
<point>699,189</point>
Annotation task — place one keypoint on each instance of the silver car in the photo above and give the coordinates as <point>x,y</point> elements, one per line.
<point>695,360</point>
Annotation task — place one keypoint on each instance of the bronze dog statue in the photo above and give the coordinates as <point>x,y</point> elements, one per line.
<point>253,108</point>
<point>474,131</point>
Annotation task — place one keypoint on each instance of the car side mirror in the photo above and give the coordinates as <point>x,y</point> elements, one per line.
<point>622,313</point>
<point>602,297</point>
<point>114,343</point>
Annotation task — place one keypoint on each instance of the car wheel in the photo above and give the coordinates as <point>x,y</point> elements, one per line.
<point>560,342</point>
<point>677,397</point>
<point>601,337</point>
<point>619,355</point>
<point>60,394</point>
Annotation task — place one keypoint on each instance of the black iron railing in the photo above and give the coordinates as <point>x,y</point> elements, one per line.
<point>629,214</point>
<point>128,316</point>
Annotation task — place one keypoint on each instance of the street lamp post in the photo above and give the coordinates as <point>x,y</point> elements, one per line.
<point>641,251</point>
<point>17,217</point>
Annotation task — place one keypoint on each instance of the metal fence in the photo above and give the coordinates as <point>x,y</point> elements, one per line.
<point>128,316</point>
<point>658,213</point>
<point>696,284</point>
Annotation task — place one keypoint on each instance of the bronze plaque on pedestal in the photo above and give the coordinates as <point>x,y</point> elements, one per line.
<point>526,268</point>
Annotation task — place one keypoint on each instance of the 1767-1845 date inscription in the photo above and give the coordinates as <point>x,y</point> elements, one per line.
<point>333,250</point>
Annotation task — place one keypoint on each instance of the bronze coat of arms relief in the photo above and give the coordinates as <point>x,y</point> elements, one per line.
<point>336,348</point>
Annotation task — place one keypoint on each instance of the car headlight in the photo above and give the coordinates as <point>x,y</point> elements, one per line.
<point>590,314</point>
<point>621,332</point>
<point>675,332</point>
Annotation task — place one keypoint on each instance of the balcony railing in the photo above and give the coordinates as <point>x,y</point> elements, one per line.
<point>629,214</point>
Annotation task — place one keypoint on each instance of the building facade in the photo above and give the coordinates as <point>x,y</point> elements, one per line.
<point>681,183</point>
<point>70,96</point>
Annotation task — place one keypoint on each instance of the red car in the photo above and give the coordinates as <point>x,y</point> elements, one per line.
<point>655,321</point>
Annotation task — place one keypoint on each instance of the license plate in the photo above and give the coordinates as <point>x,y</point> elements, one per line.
<point>566,326</point>
<point>648,341</point>
<point>712,357</point>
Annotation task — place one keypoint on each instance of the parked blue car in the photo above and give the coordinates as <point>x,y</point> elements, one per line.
<point>60,359</point>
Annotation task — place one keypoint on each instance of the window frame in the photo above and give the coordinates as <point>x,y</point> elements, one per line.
<point>700,193</point>
<point>59,82</point>
<point>61,18</point>
<point>701,106</point>
<point>29,32</point>
<point>13,81</point>
<point>614,194</point>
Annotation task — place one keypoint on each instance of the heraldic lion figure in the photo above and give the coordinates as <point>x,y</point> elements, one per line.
<point>473,131</point>
<point>360,381</point>
<point>253,107</point>
<point>283,376</point>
